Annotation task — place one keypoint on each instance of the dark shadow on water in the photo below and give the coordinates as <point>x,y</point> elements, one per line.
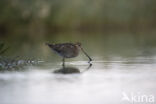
<point>70,70</point>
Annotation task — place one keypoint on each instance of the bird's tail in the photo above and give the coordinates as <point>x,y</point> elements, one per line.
<point>50,45</point>
<point>46,43</point>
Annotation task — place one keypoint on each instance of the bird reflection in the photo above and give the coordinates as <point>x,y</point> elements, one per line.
<point>70,70</point>
<point>67,70</point>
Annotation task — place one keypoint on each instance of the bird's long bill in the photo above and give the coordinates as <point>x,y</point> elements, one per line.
<point>86,54</point>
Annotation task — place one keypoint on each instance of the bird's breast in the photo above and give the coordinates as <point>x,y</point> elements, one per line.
<point>71,53</point>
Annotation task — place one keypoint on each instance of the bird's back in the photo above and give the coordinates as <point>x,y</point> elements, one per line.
<point>67,50</point>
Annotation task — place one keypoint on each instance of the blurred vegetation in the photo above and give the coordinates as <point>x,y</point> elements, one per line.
<point>27,24</point>
<point>14,63</point>
<point>46,16</point>
<point>3,49</point>
<point>11,64</point>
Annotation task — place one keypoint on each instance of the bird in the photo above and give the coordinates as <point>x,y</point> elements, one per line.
<point>68,50</point>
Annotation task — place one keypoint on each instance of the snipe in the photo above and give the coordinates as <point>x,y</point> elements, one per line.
<point>68,50</point>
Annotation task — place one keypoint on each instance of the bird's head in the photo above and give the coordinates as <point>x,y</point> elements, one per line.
<point>78,44</point>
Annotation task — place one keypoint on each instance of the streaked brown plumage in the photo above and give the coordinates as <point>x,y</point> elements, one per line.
<point>67,50</point>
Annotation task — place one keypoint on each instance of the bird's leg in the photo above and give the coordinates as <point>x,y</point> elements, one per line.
<point>63,60</point>
<point>86,55</point>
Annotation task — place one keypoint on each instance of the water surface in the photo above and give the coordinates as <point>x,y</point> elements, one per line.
<point>124,63</point>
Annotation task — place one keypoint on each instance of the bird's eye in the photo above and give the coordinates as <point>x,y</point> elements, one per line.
<point>79,44</point>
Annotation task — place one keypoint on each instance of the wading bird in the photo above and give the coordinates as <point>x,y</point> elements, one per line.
<point>68,50</point>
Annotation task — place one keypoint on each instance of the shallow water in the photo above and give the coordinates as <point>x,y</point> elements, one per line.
<point>103,82</point>
<point>123,71</point>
